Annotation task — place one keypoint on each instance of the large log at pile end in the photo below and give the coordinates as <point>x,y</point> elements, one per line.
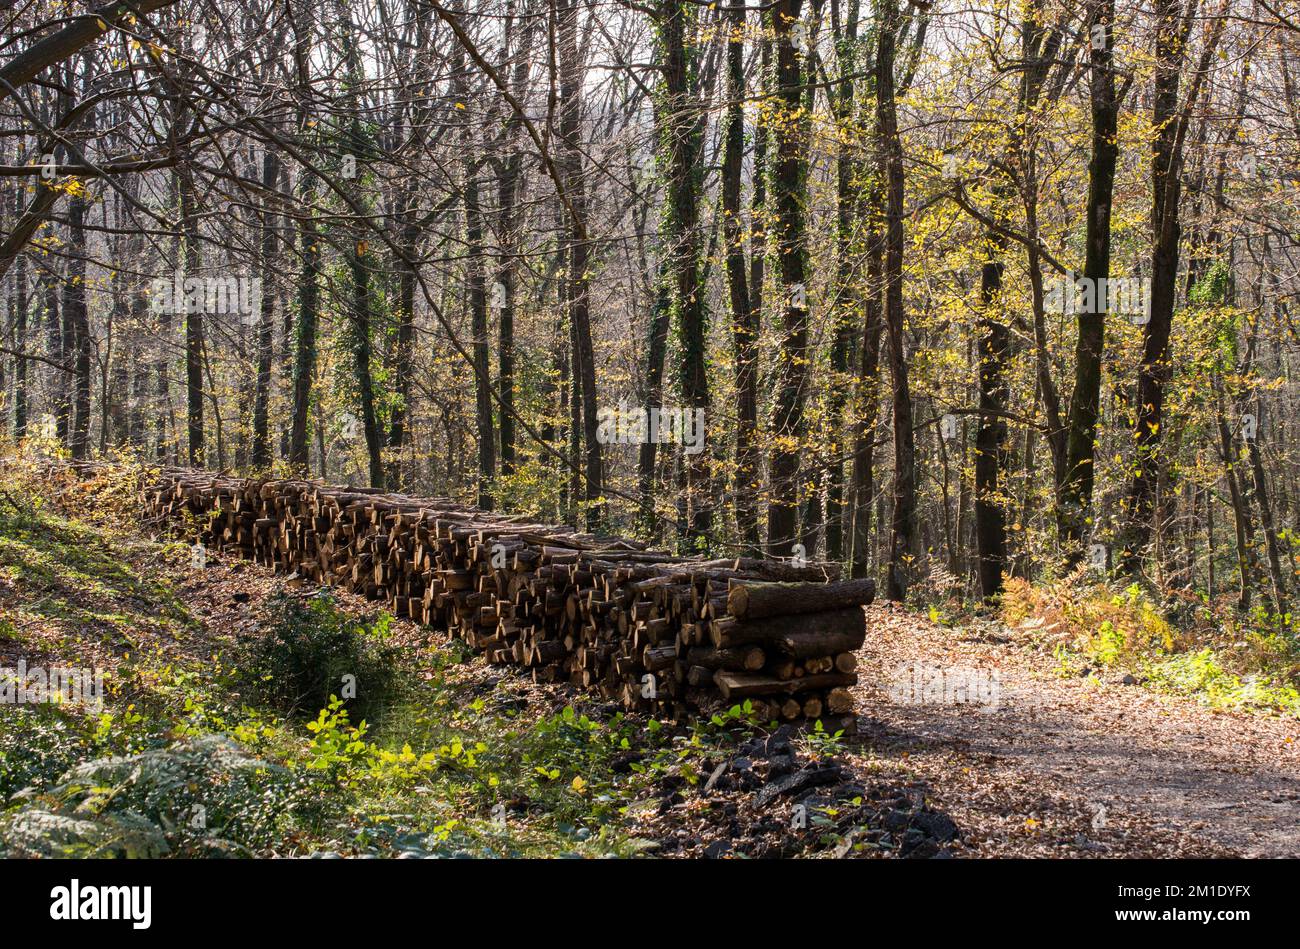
<point>757,600</point>
<point>799,635</point>
<point>670,635</point>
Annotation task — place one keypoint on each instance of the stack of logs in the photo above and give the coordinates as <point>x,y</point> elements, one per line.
<point>671,635</point>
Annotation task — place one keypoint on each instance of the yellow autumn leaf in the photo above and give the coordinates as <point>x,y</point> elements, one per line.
<point>578,784</point>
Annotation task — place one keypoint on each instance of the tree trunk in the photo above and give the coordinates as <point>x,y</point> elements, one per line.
<point>193,325</point>
<point>681,135</point>
<point>76,321</point>
<point>359,320</point>
<point>991,436</point>
<point>744,319</point>
<point>477,295</point>
<point>399,420</point>
<point>1276,577</point>
<point>507,270</point>
<point>20,342</point>
<point>1170,122</point>
<point>789,184</point>
<point>571,78</point>
<point>304,367</point>
<point>867,400</point>
<point>261,454</point>
<point>847,302</point>
<point>1075,494</point>
<point>309,252</point>
<point>902,542</point>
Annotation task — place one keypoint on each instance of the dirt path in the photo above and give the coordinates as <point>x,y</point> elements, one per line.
<point>1041,765</point>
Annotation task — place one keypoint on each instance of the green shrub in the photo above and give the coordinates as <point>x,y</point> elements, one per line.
<point>37,744</point>
<point>312,651</point>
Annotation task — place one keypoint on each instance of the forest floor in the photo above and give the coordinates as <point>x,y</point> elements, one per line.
<point>474,759</point>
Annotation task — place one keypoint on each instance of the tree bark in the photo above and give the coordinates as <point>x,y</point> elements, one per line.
<point>744,319</point>
<point>20,338</point>
<point>1170,120</point>
<point>990,438</point>
<point>261,454</point>
<point>789,184</point>
<point>76,321</point>
<point>477,295</point>
<point>571,78</point>
<point>193,324</point>
<point>681,135</point>
<point>1075,494</point>
<point>902,542</point>
<point>847,303</point>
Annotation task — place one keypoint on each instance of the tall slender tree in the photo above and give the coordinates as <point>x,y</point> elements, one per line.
<point>789,185</point>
